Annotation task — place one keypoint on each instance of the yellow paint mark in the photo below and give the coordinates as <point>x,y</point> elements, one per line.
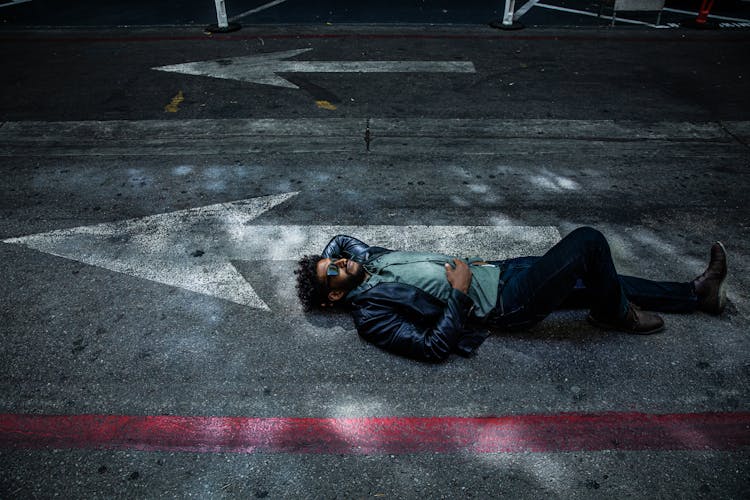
<point>325,105</point>
<point>176,100</point>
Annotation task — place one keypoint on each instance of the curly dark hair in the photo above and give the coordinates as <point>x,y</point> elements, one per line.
<point>311,294</point>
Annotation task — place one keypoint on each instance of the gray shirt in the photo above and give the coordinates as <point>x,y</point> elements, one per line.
<point>426,271</point>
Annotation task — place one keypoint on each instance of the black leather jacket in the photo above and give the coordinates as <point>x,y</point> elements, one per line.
<point>402,318</point>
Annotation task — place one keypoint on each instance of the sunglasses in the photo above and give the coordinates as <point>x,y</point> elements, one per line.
<point>331,270</point>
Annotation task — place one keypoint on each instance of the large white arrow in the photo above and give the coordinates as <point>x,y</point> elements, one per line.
<point>262,68</point>
<point>194,248</point>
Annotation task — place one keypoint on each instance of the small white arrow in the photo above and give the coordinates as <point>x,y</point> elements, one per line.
<point>262,68</point>
<point>193,248</point>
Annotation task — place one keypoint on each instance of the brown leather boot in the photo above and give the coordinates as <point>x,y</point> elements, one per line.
<point>709,286</point>
<point>635,321</point>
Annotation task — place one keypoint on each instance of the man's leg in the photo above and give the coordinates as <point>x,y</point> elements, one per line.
<point>532,293</point>
<point>662,296</point>
<point>705,293</point>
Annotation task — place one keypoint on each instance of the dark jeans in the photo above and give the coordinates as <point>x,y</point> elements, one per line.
<point>577,273</point>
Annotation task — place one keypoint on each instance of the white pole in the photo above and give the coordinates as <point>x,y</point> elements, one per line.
<point>221,14</point>
<point>510,5</point>
<point>507,22</point>
<point>223,25</point>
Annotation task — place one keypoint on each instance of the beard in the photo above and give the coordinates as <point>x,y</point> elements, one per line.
<point>353,280</point>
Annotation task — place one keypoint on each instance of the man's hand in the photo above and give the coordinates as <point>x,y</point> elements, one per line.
<point>459,276</point>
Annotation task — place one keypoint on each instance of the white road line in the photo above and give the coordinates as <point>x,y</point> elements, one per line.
<point>678,11</point>
<point>591,14</point>
<point>14,2</point>
<point>257,9</point>
<point>523,10</point>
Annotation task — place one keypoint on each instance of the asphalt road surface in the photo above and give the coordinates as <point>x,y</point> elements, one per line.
<point>150,221</point>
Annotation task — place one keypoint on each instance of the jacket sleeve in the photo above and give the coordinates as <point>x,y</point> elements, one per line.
<point>343,246</point>
<point>387,324</point>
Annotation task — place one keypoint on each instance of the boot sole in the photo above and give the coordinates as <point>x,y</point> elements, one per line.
<point>721,302</point>
<point>615,328</point>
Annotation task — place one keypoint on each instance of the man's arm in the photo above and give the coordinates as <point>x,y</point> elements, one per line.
<point>381,318</point>
<point>344,246</point>
<point>383,321</point>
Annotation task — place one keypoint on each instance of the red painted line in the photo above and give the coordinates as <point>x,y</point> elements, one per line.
<point>375,435</point>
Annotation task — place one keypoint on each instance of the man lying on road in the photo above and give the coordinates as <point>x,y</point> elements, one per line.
<point>423,305</point>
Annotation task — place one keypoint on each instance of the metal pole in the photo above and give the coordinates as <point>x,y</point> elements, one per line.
<point>510,6</point>
<point>507,22</point>
<point>221,14</point>
<point>223,25</point>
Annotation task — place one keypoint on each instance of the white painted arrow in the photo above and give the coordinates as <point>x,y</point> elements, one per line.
<point>193,248</point>
<point>262,68</point>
